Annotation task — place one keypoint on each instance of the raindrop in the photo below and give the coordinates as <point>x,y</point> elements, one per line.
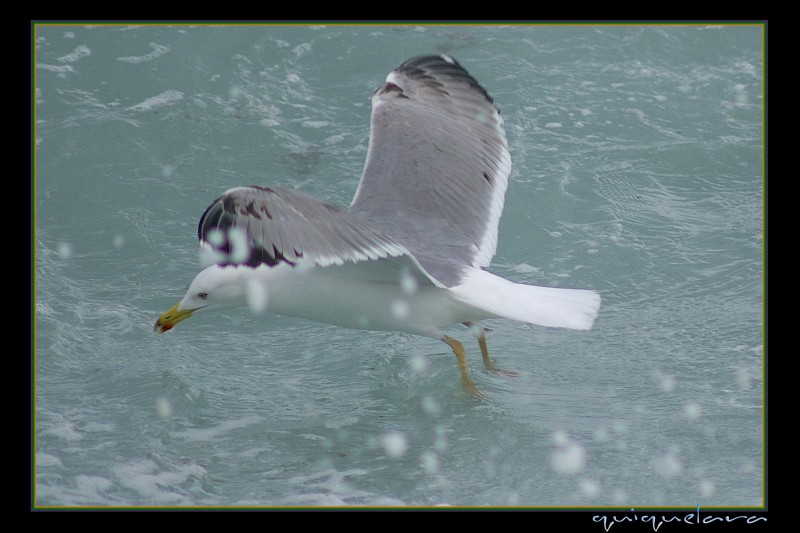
<point>394,443</point>
<point>235,93</point>
<point>408,283</point>
<point>400,309</point>
<point>668,465</point>
<point>431,406</point>
<point>569,457</point>
<point>429,460</point>
<point>589,487</point>
<point>692,410</point>
<point>476,330</point>
<point>208,257</point>
<point>619,497</point>
<point>706,488</point>
<point>418,363</point>
<point>240,248</point>
<point>64,250</point>
<point>601,435</point>
<point>304,266</point>
<point>440,438</point>
<point>665,382</point>
<point>164,408</point>
<point>744,378</point>
<point>257,298</point>
<point>215,237</point>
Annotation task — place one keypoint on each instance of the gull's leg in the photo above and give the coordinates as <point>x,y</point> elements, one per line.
<point>461,357</point>
<point>480,333</point>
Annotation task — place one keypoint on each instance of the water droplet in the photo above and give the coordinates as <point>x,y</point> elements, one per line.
<point>208,257</point>
<point>240,248</point>
<point>692,410</point>
<point>215,237</point>
<point>744,378</point>
<point>560,438</point>
<point>440,438</point>
<point>601,435</point>
<point>431,406</point>
<point>569,457</point>
<point>235,93</point>
<point>163,408</point>
<point>707,488</point>
<point>589,487</point>
<point>257,297</point>
<point>394,443</point>
<point>668,465</point>
<point>619,497</point>
<point>64,250</point>
<point>408,283</point>
<point>429,460</point>
<point>400,309</point>
<point>418,363</point>
<point>665,382</point>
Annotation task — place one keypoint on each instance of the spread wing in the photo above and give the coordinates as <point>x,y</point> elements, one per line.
<point>437,166</point>
<point>269,225</point>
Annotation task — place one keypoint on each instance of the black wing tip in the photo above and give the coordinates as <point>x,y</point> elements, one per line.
<point>220,217</point>
<point>431,61</point>
<point>222,211</point>
<point>210,218</point>
<point>428,67</point>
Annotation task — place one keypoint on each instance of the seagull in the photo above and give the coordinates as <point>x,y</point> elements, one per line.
<point>411,253</point>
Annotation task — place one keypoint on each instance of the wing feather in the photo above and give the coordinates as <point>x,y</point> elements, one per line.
<point>437,166</point>
<point>283,225</point>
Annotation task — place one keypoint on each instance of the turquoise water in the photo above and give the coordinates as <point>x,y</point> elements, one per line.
<point>637,171</point>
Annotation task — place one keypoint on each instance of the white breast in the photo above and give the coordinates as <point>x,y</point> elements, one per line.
<point>340,295</point>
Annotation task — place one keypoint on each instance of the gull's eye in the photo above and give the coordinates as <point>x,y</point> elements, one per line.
<point>202,295</point>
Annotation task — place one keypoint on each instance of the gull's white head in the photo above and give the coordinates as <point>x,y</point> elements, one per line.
<point>215,288</point>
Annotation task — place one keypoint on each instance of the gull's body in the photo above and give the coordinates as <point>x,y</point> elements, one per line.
<point>338,296</point>
<point>411,253</point>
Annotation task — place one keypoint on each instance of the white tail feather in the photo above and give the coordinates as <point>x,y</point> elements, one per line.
<point>543,306</point>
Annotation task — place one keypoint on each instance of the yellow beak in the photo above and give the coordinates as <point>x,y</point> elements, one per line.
<point>168,320</point>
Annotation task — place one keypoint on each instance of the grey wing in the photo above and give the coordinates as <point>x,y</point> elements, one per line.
<point>269,225</point>
<point>437,166</point>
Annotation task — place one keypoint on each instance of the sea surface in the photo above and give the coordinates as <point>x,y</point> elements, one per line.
<point>637,171</point>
